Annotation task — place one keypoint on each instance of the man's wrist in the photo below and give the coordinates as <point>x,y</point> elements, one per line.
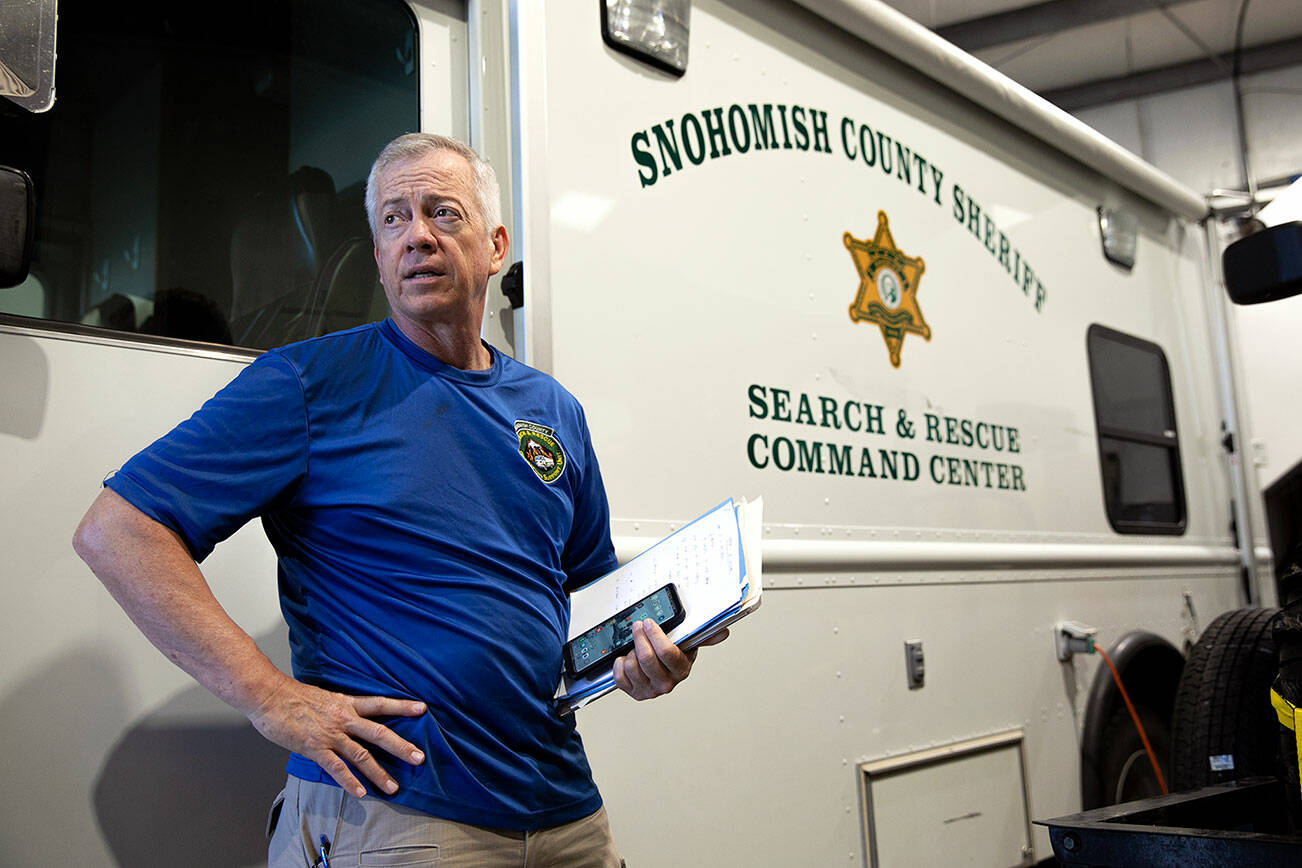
<point>254,693</point>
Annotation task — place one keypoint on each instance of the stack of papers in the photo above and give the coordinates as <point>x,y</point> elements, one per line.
<point>715,563</point>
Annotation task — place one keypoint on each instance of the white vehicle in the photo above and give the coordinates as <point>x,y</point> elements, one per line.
<point>973,356</point>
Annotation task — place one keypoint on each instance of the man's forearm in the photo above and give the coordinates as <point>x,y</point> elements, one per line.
<point>150,573</point>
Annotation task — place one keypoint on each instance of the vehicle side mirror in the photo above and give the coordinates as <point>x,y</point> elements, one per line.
<point>17,224</point>
<point>1265,266</point>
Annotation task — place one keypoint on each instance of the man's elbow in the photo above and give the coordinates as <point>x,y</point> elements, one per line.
<point>111,529</point>
<point>88,538</point>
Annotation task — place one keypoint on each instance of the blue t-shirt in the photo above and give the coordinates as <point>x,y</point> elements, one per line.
<point>428,522</point>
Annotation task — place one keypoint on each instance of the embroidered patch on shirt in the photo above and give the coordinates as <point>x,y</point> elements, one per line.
<point>540,450</point>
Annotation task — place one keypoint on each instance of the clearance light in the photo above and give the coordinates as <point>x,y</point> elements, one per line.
<point>1120,233</point>
<point>654,31</point>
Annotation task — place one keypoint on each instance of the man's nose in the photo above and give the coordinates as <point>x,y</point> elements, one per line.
<point>421,234</point>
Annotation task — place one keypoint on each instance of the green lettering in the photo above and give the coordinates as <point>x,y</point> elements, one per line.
<point>759,408</point>
<point>805,414</point>
<point>781,412</point>
<point>765,132</point>
<point>734,112</point>
<point>839,460</point>
<point>970,470</point>
<point>644,158</point>
<point>714,127</point>
<point>866,464</point>
<point>884,143</point>
<point>811,458</point>
<point>874,423</point>
<point>903,163</point>
<point>922,166</point>
<point>695,134</point>
<point>802,133</point>
<point>847,125</point>
<point>845,414</point>
<point>750,450</point>
<point>933,428</point>
<point>824,403</point>
<point>997,439</point>
<point>819,120</point>
<point>778,461</point>
<point>668,144</point>
<point>868,145</point>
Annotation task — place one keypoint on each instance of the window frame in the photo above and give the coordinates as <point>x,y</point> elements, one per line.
<point>1096,332</point>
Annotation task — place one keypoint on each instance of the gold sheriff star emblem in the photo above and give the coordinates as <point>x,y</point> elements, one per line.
<point>888,288</point>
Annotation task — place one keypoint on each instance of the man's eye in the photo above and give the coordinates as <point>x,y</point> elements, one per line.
<point>445,211</point>
<point>390,219</point>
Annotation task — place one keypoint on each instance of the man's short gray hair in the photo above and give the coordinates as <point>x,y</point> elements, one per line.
<point>414,145</point>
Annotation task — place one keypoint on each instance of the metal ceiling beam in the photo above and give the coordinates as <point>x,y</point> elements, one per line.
<point>1051,16</point>
<point>1287,52</point>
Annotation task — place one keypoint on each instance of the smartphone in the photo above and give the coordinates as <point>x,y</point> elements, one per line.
<point>613,637</point>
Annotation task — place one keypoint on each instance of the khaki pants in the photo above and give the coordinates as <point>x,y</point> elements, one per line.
<point>370,833</point>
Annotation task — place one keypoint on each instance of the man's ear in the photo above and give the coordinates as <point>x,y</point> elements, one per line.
<point>500,244</point>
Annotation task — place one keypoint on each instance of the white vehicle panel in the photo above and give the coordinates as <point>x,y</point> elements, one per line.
<point>662,327</point>
<point>79,679</point>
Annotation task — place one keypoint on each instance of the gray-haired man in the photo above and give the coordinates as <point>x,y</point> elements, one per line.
<point>424,561</point>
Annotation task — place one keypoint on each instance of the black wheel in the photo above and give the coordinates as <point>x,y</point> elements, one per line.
<point>1124,767</point>
<point>1224,727</point>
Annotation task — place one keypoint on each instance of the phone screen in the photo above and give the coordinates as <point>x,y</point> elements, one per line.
<point>614,637</point>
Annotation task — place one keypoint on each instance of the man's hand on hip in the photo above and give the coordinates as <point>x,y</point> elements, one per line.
<point>656,665</point>
<point>149,571</point>
<point>333,730</point>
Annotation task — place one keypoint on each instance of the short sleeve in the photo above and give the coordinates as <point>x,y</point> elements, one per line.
<point>589,553</point>
<point>243,451</point>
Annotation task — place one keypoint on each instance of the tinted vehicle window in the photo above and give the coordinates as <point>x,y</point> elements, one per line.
<point>1139,451</point>
<point>201,174</point>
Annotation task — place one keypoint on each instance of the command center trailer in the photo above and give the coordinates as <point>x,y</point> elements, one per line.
<point>972,355</point>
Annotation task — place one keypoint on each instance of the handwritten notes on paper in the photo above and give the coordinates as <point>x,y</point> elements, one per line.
<point>703,560</point>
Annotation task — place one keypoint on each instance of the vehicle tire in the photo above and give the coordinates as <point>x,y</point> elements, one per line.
<point>1124,767</point>
<point>1222,706</point>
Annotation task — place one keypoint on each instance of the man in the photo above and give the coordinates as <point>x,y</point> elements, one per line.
<point>423,560</point>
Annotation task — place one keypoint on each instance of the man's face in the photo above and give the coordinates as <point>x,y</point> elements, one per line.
<point>434,253</point>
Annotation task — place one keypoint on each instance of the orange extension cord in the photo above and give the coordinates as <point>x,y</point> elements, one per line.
<point>1143,736</point>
